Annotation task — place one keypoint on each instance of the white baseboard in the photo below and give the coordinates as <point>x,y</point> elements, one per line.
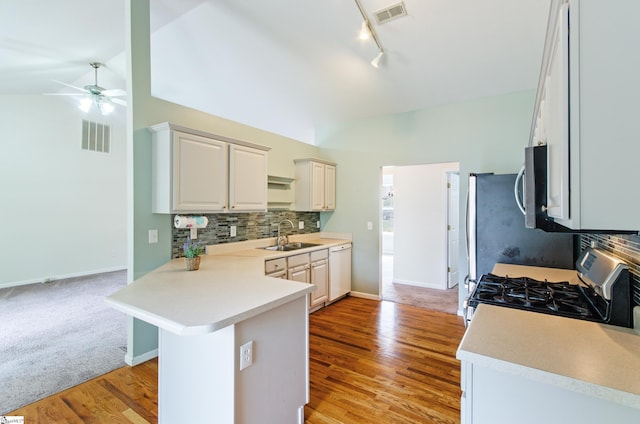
<point>133,361</point>
<point>364,295</point>
<point>61,277</point>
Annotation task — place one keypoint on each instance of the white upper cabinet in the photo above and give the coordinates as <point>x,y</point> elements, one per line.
<point>330,187</point>
<point>556,119</point>
<point>247,178</point>
<point>586,111</point>
<point>315,185</point>
<point>197,172</point>
<point>200,173</point>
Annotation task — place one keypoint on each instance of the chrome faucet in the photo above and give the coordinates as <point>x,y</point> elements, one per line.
<point>282,240</point>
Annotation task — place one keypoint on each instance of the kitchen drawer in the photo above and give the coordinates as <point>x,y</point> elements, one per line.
<point>319,255</point>
<point>297,260</point>
<point>274,265</point>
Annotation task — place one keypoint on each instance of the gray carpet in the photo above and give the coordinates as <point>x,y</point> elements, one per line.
<point>56,335</point>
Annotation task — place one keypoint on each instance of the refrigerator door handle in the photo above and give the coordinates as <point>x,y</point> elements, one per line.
<point>471,227</point>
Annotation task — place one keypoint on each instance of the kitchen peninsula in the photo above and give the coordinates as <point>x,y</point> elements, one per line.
<point>203,318</point>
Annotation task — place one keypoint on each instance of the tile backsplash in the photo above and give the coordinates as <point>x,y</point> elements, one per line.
<point>625,247</point>
<point>249,226</point>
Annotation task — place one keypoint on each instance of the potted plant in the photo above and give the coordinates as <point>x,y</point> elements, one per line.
<point>192,252</point>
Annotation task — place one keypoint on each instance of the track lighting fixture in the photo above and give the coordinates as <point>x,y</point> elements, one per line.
<point>376,61</point>
<point>366,32</point>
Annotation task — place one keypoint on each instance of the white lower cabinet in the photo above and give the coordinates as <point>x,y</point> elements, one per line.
<point>309,268</point>
<point>319,278</point>
<point>276,268</point>
<point>298,268</point>
<point>490,396</point>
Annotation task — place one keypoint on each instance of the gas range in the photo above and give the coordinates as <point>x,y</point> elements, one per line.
<point>603,295</point>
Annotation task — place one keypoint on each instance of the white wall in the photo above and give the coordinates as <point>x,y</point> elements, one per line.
<point>420,224</point>
<point>63,209</point>
<point>484,135</point>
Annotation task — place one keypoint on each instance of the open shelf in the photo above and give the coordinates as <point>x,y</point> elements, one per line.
<point>280,192</point>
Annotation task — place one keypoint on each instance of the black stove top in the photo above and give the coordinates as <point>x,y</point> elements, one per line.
<point>556,298</point>
<point>603,294</point>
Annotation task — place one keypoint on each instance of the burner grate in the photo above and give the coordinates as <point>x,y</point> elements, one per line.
<point>558,298</point>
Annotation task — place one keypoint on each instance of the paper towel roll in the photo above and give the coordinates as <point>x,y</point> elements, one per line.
<point>196,221</point>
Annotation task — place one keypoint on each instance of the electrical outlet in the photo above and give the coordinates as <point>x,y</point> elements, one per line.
<point>232,230</point>
<point>153,236</point>
<point>369,225</point>
<point>317,224</point>
<point>300,225</point>
<point>193,233</point>
<point>246,355</point>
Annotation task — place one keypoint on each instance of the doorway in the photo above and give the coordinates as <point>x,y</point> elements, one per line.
<point>419,221</point>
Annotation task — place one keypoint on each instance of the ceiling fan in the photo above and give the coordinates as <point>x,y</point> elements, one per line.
<point>93,94</point>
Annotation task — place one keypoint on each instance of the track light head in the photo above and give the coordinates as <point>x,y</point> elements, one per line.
<point>376,61</point>
<point>365,31</point>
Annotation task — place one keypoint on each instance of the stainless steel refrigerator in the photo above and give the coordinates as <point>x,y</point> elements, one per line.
<point>496,230</point>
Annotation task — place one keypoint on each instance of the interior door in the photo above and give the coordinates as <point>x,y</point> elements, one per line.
<point>453,218</point>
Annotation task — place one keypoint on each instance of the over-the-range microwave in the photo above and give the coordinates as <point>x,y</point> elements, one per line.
<point>535,195</point>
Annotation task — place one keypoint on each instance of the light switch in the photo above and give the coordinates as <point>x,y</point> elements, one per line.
<point>369,225</point>
<point>153,236</point>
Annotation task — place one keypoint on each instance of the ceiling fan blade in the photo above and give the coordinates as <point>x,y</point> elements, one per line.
<point>72,86</point>
<point>119,102</point>
<point>114,92</point>
<point>63,94</point>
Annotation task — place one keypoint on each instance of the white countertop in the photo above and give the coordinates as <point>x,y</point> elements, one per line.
<point>583,356</point>
<point>225,290</point>
<point>229,287</point>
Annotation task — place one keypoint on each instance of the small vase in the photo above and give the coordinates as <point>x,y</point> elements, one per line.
<point>193,264</point>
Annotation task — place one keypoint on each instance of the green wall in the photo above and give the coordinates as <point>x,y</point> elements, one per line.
<point>487,135</point>
<point>145,111</point>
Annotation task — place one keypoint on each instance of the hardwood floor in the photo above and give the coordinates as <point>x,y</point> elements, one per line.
<point>383,362</point>
<point>370,362</point>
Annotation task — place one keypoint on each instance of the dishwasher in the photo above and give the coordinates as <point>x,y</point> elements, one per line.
<point>339,271</point>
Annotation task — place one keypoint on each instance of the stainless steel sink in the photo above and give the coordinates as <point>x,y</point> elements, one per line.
<point>290,246</point>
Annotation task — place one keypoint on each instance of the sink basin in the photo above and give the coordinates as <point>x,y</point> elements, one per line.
<point>290,246</point>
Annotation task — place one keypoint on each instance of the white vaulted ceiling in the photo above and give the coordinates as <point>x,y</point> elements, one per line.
<point>286,66</point>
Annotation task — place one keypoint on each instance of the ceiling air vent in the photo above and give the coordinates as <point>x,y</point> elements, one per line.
<point>392,12</point>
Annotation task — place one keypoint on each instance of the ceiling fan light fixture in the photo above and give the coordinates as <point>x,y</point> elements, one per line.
<point>85,104</point>
<point>105,107</point>
<point>376,61</point>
